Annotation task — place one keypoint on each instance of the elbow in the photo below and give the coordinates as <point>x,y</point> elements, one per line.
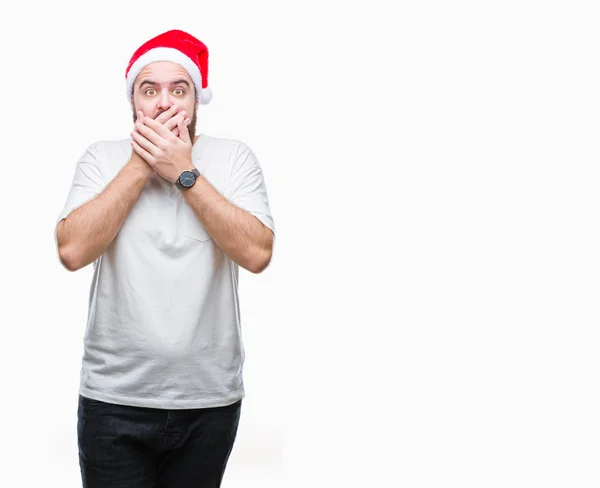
<point>68,258</point>
<point>65,251</point>
<point>262,255</point>
<point>260,262</point>
<point>68,252</point>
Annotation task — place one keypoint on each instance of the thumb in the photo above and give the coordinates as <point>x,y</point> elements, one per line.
<point>184,133</point>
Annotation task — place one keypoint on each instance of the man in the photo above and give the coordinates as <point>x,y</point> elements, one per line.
<point>166,218</point>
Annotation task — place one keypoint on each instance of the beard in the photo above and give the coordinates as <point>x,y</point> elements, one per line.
<point>191,127</point>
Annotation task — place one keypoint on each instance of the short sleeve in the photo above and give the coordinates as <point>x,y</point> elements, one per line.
<point>88,182</point>
<point>246,186</point>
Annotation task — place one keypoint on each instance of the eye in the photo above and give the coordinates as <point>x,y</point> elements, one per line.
<point>147,92</point>
<point>178,91</point>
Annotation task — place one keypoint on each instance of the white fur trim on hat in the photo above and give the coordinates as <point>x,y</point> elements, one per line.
<point>166,54</point>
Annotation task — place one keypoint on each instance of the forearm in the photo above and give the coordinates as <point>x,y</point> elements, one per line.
<point>90,229</point>
<point>241,236</point>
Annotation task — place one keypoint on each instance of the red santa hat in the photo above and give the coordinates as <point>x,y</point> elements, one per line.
<point>178,47</point>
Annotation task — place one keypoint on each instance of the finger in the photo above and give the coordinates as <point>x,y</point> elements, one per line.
<point>145,155</point>
<point>184,133</point>
<point>143,142</point>
<point>150,134</point>
<point>174,121</point>
<point>167,114</point>
<point>159,129</point>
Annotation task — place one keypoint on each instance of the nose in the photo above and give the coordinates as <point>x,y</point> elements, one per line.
<point>164,101</point>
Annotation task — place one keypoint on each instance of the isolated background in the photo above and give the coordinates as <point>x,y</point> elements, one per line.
<point>430,316</point>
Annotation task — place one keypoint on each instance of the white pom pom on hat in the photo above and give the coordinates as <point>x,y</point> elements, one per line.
<point>178,47</point>
<point>205,96</point>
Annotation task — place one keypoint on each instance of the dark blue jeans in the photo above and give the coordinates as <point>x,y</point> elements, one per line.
<point>133,447</point>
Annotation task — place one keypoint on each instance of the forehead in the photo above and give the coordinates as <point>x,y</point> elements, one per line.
<point>162,72</point>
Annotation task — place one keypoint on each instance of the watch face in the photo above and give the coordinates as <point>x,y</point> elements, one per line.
<point>187,179</point>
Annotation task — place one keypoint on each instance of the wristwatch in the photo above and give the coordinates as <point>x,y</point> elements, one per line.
<point>187,179</point>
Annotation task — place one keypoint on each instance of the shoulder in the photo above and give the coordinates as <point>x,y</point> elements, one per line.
<point>108,157</point>
<point>234,147</point>
<point>110,148</point>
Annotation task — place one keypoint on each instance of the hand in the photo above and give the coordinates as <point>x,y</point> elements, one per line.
<point>167,154</point>
<point>170,119</point>
<point>138,162</point>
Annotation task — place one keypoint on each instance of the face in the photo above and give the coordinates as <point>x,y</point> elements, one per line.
<point>161,85</point>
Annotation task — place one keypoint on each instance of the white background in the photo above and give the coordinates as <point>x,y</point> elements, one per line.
<point>430,316</point>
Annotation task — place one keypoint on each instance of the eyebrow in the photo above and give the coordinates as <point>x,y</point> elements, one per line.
<point>176,82</point>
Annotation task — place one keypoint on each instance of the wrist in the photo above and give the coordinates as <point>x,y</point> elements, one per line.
<point>187,178</point>
<point>140,165</point>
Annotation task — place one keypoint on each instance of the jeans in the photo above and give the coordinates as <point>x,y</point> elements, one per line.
<point>134,447</point>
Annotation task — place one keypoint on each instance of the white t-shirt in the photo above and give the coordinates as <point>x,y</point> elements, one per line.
<point>164,327</point>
